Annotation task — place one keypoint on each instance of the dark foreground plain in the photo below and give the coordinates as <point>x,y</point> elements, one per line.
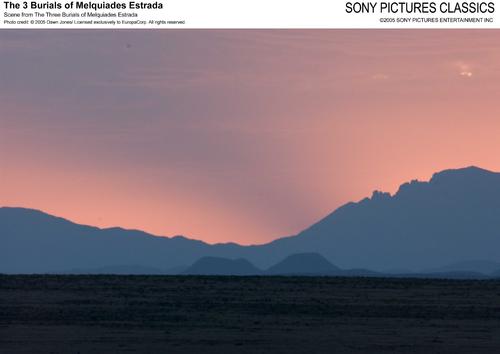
<point>195,314</point>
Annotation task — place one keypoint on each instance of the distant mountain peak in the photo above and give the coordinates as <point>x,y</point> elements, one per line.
<point>466,172</point>
<point>469,177</point>
<point>304,263</point>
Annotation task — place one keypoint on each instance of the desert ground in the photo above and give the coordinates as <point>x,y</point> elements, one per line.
<point>195,314</point>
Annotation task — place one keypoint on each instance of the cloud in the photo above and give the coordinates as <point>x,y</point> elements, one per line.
<point>464,69</point>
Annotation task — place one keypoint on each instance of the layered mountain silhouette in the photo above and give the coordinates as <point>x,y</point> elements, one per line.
<point>300,264</point>
<point>454,216</point>
<point>425,225</point>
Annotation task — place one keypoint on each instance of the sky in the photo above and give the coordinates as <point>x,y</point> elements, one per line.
<point>241,136</point>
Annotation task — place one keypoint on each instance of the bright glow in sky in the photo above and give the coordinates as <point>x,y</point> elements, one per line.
<point>240,136</point>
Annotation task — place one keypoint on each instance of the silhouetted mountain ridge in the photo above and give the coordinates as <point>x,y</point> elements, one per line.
<point>300,264</point>
<point>454,216</point>
<point>424,225</point>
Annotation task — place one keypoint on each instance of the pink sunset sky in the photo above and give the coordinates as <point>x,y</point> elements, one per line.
<point>241,136</point>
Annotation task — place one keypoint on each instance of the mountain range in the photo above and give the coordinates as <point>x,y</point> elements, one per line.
<point>295,264</point>
<point>449,220</point>
<point>300,264</point>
